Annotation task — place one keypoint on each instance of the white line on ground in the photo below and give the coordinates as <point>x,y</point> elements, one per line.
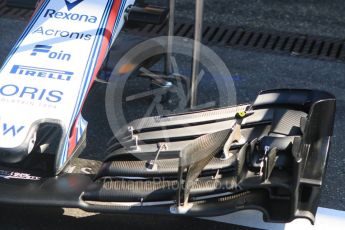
<point>325,219</point>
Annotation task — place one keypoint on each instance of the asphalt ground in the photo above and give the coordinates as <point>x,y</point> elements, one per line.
<point>315,17</point>
<point>253,72</point>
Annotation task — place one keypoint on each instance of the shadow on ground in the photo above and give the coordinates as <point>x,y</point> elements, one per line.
<point>56,218</point>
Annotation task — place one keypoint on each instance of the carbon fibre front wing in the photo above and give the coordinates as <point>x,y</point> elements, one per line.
<point>270,156</point>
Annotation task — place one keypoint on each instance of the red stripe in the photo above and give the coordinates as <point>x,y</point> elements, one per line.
<point>107,36</point>
<point>72,140</point>
<point>104,48</point>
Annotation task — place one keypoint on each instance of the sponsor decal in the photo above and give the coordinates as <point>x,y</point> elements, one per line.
<point>47,50</point>
<point>31,93</point>
<point>17,175</point>
<point>41,72</point>
<point>11,129</point>
<point>62,34</point>
<point>72,3</point>
<point>31,103</point>
<point>51,13</point>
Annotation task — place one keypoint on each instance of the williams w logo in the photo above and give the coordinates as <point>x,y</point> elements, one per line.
<point>11,130</point>
<point>72,3</point>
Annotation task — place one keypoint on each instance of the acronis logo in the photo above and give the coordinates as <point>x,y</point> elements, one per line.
<point>72,3</point>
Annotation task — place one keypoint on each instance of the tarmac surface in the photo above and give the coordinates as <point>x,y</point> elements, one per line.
<point>252,71</point>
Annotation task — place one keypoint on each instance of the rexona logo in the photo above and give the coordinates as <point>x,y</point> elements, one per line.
<point>46,49</point>
<point>41,73</point>
<point>30,93</point>
<point>72,3</point>
<point>50,13</point>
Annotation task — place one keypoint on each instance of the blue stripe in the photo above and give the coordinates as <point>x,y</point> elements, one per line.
<point>121,11</point>
<point>86,82</point>
<point>99,33</point>
<point>25,33</point>
<point>80,130</point>
<point>93,62</point>
<point>81,127</point>
<point>64,154</point>
<point>91,66</point>
<point>117,18</point>
<point>86,79</point>
<point>117,21</point>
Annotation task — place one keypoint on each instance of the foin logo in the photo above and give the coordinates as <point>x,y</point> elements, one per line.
<point>72,3</point>
<point>44,49</point>
<point>40,49</point>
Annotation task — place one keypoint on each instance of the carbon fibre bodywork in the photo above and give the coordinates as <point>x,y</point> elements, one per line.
<point>277,167</point>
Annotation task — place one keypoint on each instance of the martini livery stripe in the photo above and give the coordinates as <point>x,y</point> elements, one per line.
<point>70,143</point>
<point>114,17</point>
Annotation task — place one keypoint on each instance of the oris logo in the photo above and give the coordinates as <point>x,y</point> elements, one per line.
<point>31,93</point>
